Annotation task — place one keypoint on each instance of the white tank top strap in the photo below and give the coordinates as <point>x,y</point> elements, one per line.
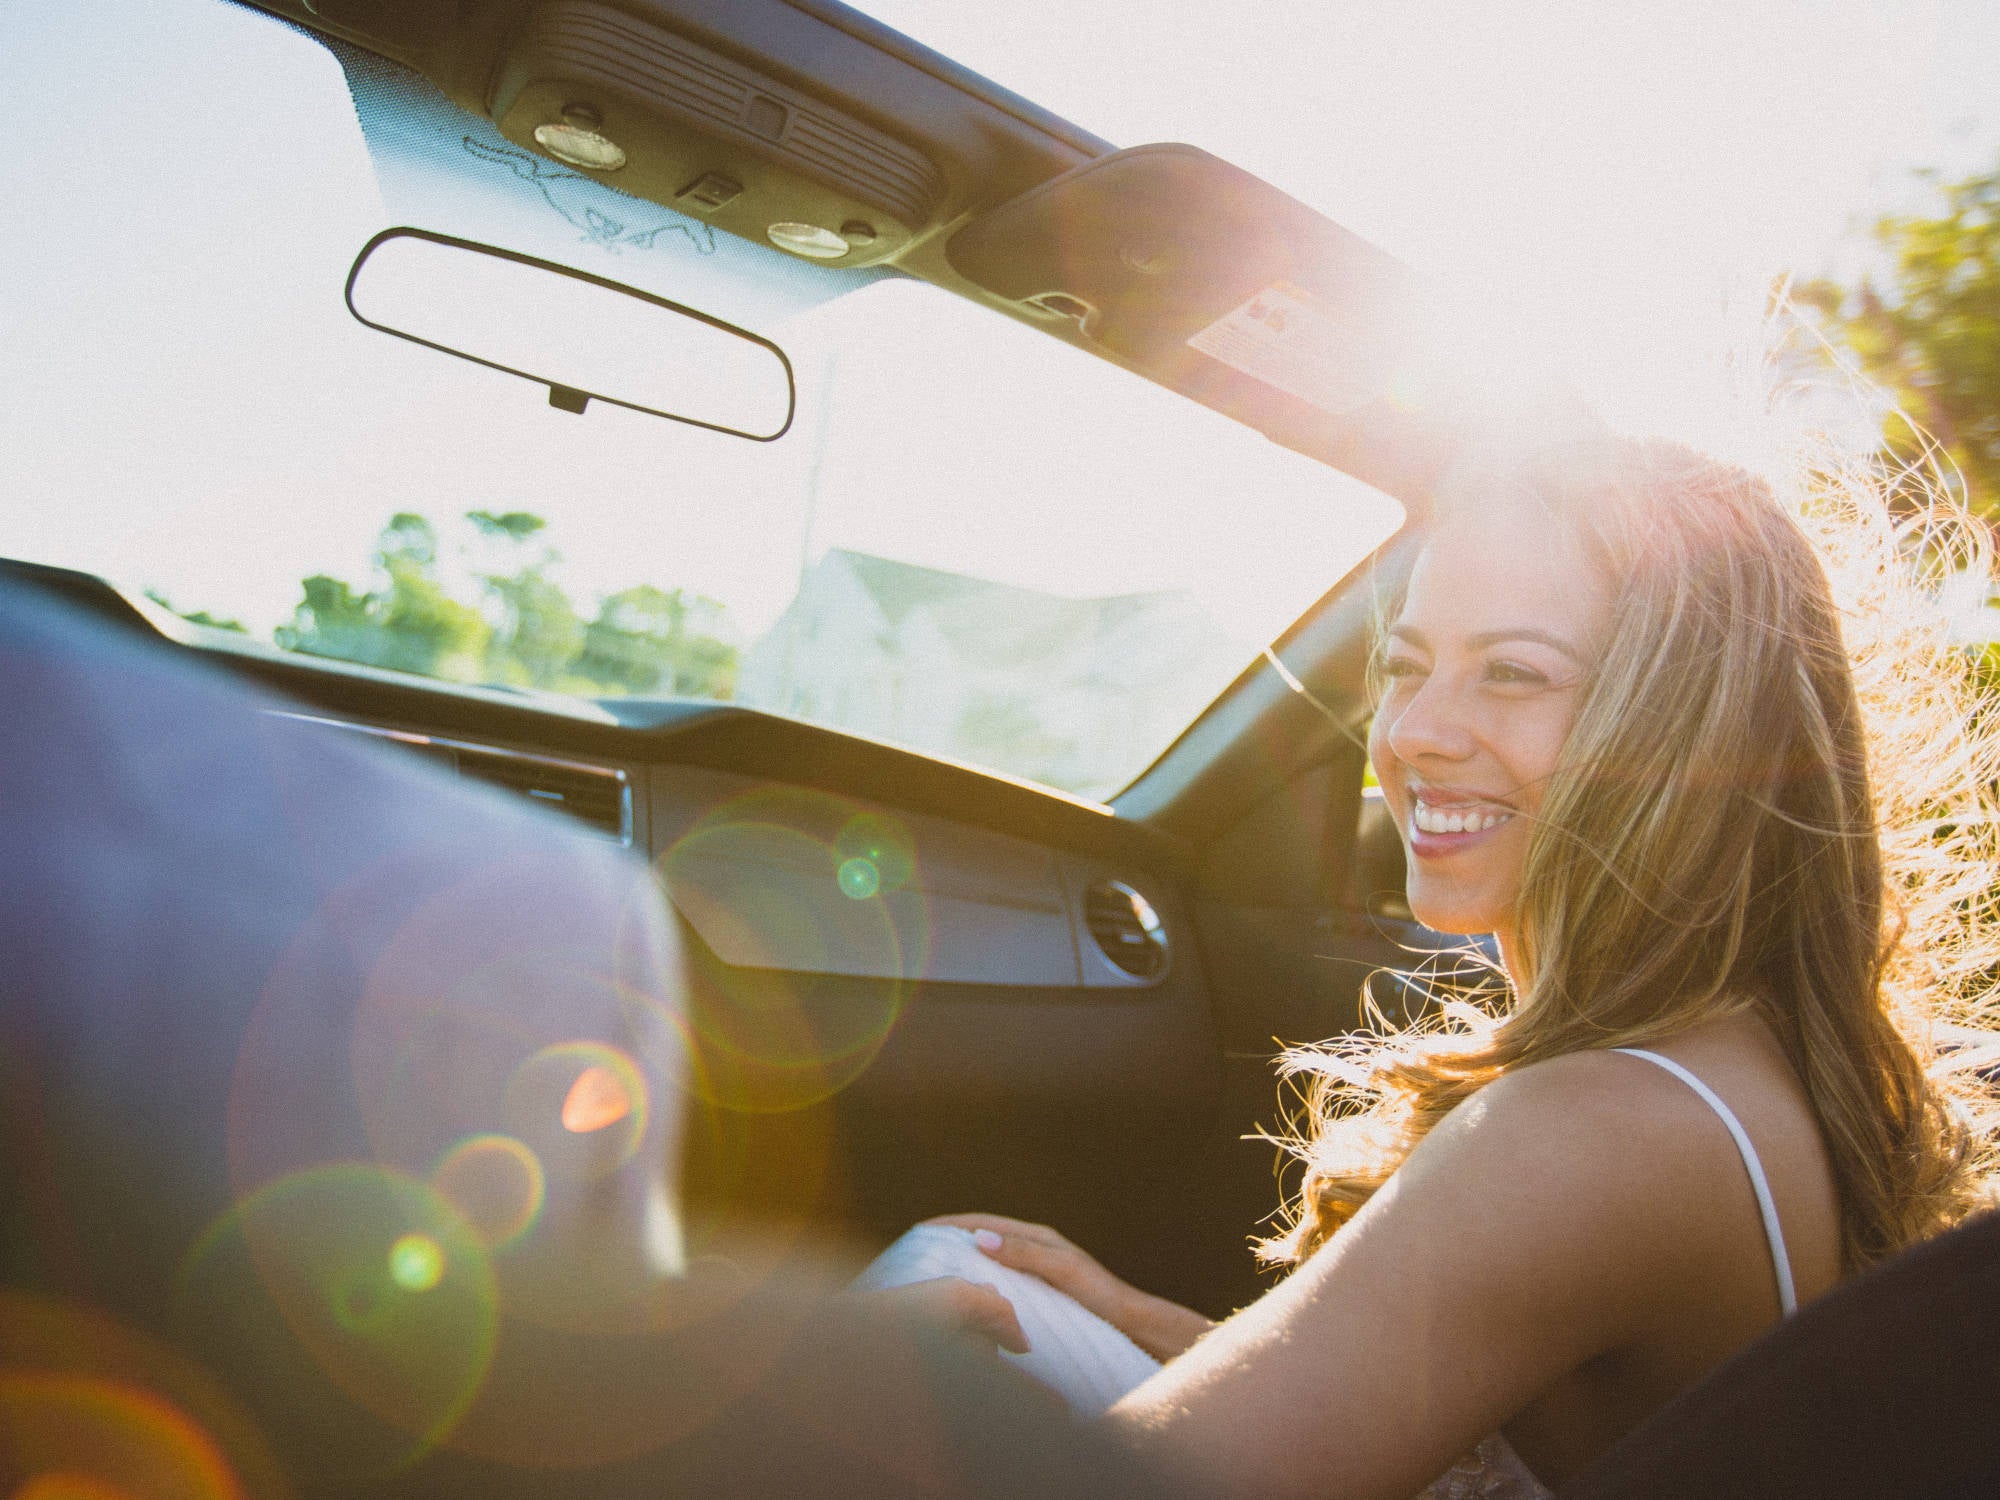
<point>1774,1234</point>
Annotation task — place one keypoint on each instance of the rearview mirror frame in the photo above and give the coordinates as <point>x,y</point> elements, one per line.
<point>565,397</point>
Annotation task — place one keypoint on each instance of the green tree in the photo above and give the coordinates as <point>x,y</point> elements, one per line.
<point>1929,333</point>
<point>409,623</point>
<point>660,642</point>
<point>536,633</point>
<point>197,616</point>
<point>508,620</point>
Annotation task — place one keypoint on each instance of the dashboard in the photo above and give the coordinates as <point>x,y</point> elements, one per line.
<point>784,876</point>
<point>912,986</point>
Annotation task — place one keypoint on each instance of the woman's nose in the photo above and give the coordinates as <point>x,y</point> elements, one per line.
<point>1431,722</point>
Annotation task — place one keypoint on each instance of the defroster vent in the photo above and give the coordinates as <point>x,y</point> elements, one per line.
<point>595,795</point>
<point>599,797</point>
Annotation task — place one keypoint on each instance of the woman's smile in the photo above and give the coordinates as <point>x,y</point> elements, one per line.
<point>1440,826</point>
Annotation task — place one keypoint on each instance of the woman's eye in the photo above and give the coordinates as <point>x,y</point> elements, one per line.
<point>1514,672</point>
<point>1400,666</point>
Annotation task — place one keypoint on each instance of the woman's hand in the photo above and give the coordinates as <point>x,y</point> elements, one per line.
<point>962,1308</point>
<point>1162,1328</point>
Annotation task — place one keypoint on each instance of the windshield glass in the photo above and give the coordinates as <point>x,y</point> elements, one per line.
<point>974,540</point>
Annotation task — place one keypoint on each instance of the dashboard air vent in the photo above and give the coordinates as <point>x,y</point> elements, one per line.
<point>1126,927</point>
<point>591,794</point>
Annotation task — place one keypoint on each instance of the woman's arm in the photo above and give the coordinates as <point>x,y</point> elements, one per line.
<point>1544,1223</point>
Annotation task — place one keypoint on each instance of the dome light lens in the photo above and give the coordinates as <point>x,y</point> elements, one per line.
<point>808,240</point>
<point>576,146</point>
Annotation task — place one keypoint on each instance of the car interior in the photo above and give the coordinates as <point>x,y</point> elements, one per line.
<point>1059,1007</point>
<point>920,981</point>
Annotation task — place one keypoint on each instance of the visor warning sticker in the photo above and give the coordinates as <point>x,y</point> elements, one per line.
<point>1288,338</point>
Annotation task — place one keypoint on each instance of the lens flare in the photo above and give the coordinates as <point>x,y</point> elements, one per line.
<point>793,994</point>
<point>497,1183</point>
<point>580,1106</point>
<point>859,878</point>
<point>385,1285</point>
<point>70,1486</point>
<point>80,1437</point>
<point>91,1408</point>
<point>595,1101</point>
<point>415,1263</point>
<point>882,843</point>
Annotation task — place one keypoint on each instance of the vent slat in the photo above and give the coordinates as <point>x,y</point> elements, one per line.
<point>592,796</point>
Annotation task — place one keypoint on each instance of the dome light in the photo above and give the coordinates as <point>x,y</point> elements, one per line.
<point>579,146</point>
<point>808,240</point>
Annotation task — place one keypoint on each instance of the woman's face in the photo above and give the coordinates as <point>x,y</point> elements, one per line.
<point>1483,671</point>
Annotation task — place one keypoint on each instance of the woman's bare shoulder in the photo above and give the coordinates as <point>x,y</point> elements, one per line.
<point>1592,1155</point>
<point>1595,1108</point>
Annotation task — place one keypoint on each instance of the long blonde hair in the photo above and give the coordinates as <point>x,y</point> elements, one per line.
<point>1777,797</point>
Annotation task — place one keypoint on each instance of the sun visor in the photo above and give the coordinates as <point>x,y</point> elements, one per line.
<point>1216,284</point>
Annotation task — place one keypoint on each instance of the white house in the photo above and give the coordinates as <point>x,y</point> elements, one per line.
<point>1076,693</point>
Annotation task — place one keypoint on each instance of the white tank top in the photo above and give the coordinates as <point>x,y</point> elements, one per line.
<point>1774,1234</point>
<point>1493,1471</point>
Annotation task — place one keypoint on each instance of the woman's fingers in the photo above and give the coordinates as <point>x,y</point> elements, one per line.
<point>1002,1225</point>
<point>983,1309</point>
<point>960,1307</point>
<point>1061,1268</point>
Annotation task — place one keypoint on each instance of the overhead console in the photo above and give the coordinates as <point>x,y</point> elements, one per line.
<point>797,123</point>
<point>665,118</point>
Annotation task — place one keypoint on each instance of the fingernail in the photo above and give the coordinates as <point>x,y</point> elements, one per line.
<point>986,1239</point>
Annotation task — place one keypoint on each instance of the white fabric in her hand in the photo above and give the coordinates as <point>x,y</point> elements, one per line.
<point>1071,1349</point>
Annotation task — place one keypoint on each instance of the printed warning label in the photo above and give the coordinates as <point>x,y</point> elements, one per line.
<point>1288,338</point>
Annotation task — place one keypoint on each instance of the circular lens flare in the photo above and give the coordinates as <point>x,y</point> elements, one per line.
<point>793,995</point>
<point>385,1285</point>
<point>883,843</point>
<point>859,878</point>
<point>71,1486</point>
<point>80,1437</point>
<point>415,1263</point>
<point>497,1183</point>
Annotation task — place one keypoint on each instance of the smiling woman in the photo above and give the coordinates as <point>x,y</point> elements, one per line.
<point>1622,729</point>
<point>1683,774</point>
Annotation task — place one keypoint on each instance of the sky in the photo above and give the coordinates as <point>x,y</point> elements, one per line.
<point>1605,188</point>
<point>1618,183</point>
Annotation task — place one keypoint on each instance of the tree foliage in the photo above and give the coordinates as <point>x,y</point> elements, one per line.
<point>1930,332</point>
<point>506,619</point>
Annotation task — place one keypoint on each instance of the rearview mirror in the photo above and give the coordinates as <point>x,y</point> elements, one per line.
<point>585,338</point>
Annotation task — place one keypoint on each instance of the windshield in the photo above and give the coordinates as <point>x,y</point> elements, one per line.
<point>974,540</point>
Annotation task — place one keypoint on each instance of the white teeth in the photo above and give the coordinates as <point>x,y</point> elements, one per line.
<point>1428,819</point>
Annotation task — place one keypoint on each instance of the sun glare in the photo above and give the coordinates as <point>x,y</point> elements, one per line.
<point>1603,191</point>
